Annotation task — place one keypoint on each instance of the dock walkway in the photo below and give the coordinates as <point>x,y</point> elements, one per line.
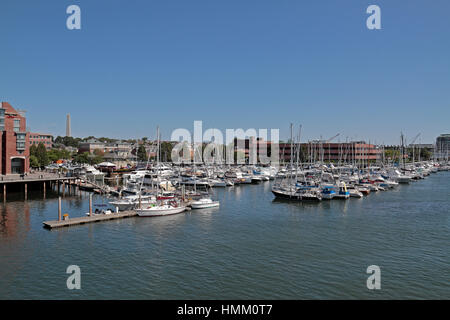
<point>88,219</point>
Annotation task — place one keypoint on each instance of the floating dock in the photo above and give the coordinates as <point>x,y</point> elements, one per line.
<point>88,219</point>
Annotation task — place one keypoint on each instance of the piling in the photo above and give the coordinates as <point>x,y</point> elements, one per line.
<point>26,191</point>
<point>90,205</point>
<point>59,208</point>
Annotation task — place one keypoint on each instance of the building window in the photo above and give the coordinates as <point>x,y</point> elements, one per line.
<point>20,141</point>
<point>16,125</point>
<point>2,119</point>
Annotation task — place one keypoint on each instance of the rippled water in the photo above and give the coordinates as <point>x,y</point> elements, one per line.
<point>252,247</point>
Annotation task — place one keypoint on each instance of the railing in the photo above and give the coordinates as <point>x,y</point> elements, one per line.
<point>32,176</point>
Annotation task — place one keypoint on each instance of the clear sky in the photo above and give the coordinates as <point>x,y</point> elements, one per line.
<point>230,63</point>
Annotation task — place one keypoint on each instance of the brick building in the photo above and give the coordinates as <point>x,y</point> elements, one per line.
<point>311,151</point>
<point>45,139</point>
<point>91,145</point>
<point>14,144</point>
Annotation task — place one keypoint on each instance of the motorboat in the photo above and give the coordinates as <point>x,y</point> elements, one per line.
<point>343,192</point>
<point>217,183</point>
<point>256,179</point>
<point>204,203</point>
<point>354,192</point>
<point>328,192</point>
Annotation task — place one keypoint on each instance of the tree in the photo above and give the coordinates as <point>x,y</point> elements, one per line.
<point>34,162</point>
<point>68,141</point>
<point>82,157</point>
<point>95,159</point>
<point>33,150</point>
<point>142,153</point>
<point>166,151</point>
<point>56,154</point>
<point>41,155</point>
<point>425,154</point>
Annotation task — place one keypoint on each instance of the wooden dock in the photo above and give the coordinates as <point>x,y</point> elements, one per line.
<point>88,219</point>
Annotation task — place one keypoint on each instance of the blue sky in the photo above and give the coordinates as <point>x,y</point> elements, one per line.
<point>231,64</point>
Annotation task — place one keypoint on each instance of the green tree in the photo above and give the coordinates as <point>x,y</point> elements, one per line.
<point>142,153</point>
<point>166,151</point>
<point>34,162</point>
<point>33,150</point>
<point>81,157</point>
<point>425,154</point>
<point>68,141</point>
<point>41,155</point>
<point>97,157</point>
<point>56,154</point>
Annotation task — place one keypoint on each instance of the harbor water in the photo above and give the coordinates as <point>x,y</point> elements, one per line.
<point>251,247</point>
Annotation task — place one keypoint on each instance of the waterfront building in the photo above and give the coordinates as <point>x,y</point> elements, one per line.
<point>91,145</point>
<point>311,151</point>
<point>45,139</point>
<point>443,146</point>
<point>14,144</point>
<point>120,147</point>
<point>119,153</point>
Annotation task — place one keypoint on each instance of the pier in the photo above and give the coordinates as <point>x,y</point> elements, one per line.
<point>36,180</point>
<point>88,219</point>
<point>44,180</point>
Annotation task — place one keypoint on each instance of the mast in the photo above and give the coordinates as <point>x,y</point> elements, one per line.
<point>290,170</point>
<point>157,162</point>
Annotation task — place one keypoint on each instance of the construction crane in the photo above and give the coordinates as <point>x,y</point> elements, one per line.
<point>414,149</point>
<point>324,142</point>
<point>414,139</point>
<point>332,138</point>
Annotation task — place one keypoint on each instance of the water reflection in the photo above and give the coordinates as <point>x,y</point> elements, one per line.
<point>251,247</point>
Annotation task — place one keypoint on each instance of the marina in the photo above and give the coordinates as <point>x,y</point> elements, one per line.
<point>224,154</point>
<point>150,194</point>
<point>253,246</point>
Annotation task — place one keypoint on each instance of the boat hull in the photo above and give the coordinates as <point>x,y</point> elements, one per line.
<point>287,196</point>
<point>161,212</point>
<point>204,205</point>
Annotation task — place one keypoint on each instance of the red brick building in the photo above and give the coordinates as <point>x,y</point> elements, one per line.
<point>14,144</point>
<point>45,139</point>
<point>315,150</point>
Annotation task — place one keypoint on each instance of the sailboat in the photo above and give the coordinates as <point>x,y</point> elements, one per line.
<point>163,207</point>
<point>205,202</point>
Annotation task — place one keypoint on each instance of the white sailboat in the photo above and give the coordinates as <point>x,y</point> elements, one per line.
<point>160,210</point>
<point>163,207</point>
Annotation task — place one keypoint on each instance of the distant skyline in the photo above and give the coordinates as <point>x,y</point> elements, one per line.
<point>232,64</point>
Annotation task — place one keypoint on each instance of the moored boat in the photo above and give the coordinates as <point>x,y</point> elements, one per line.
<point>204,203</point>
